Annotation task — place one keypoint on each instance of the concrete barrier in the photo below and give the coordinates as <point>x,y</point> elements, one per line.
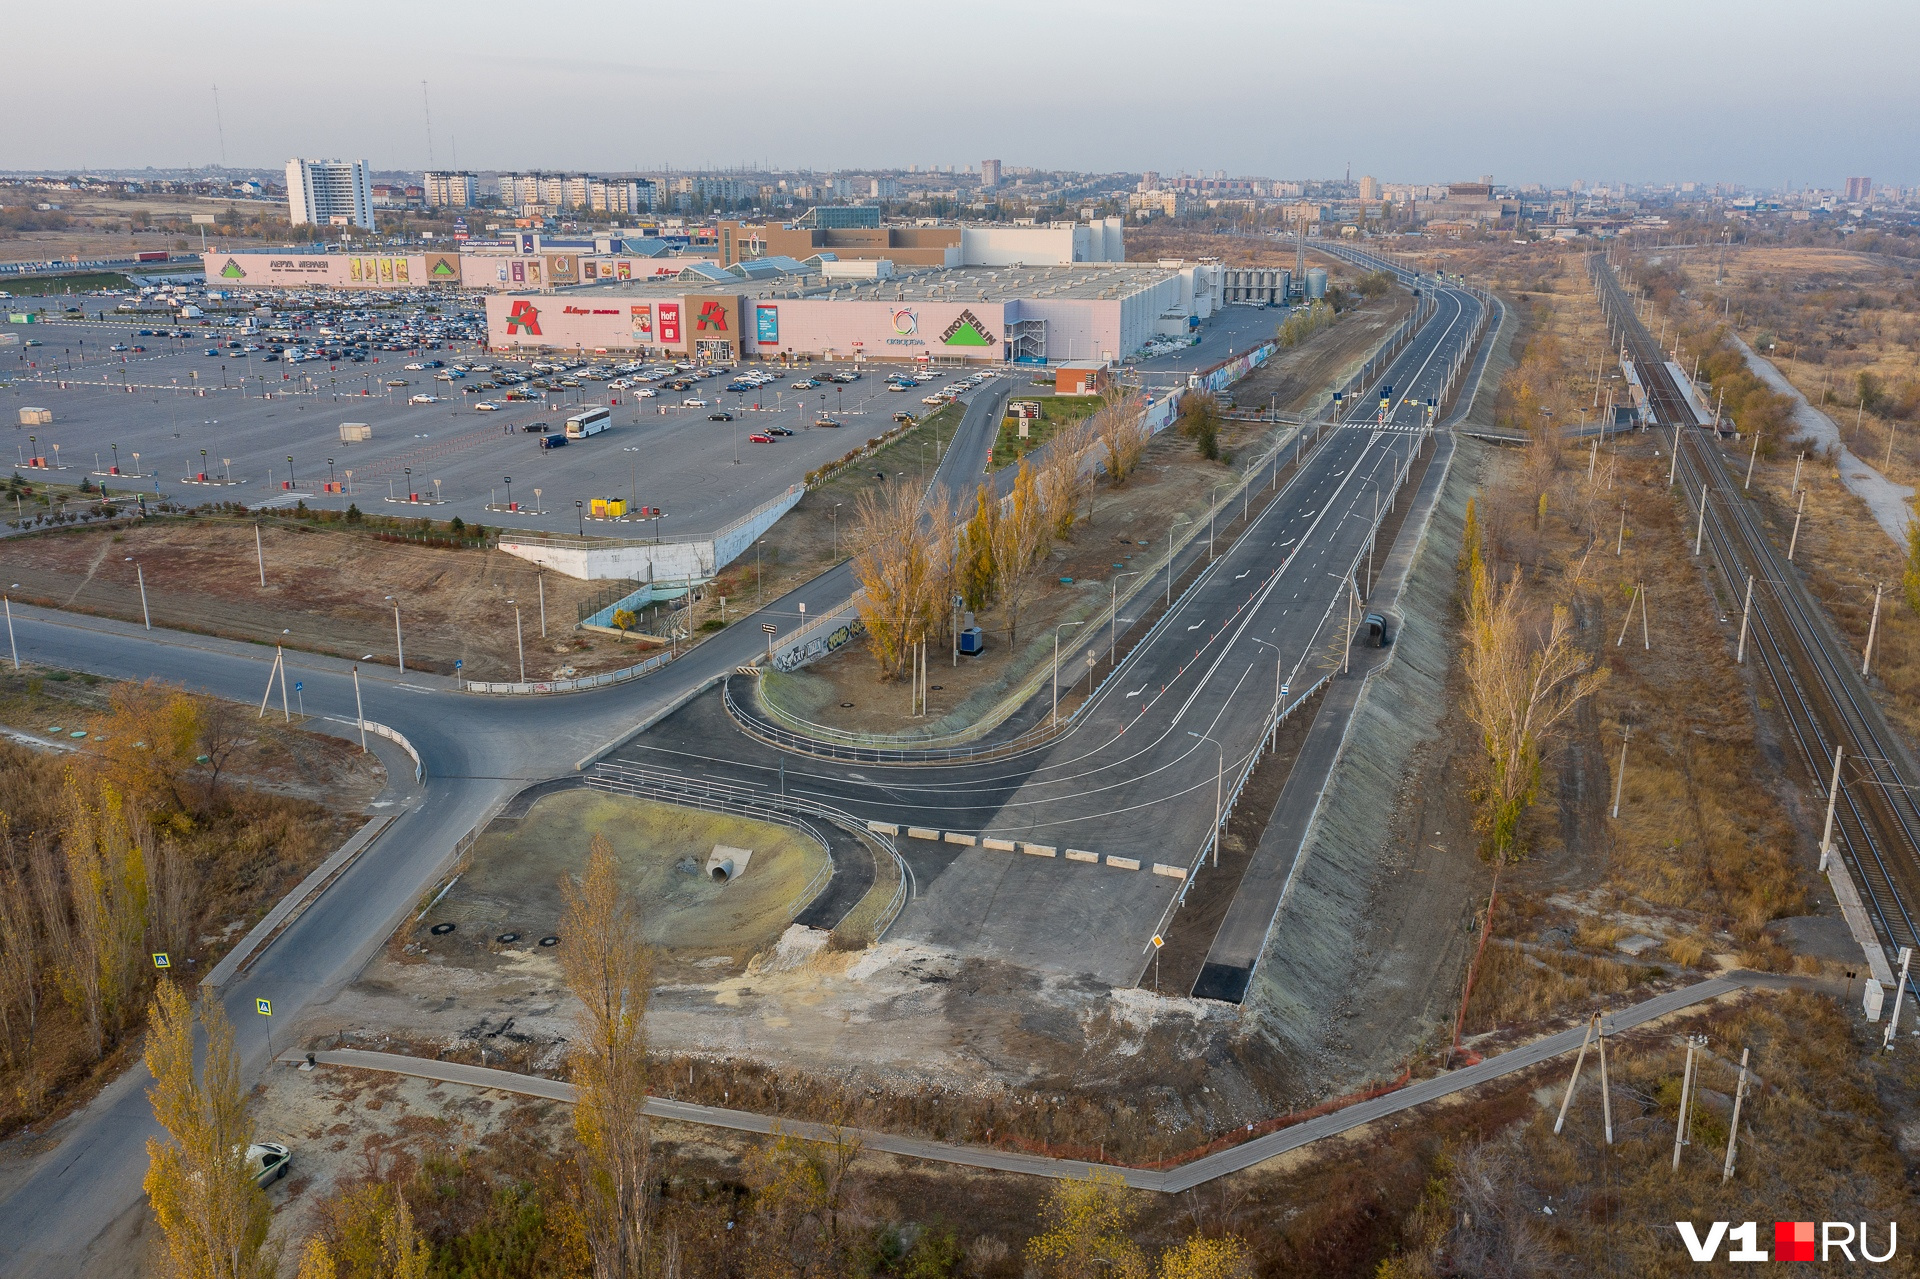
<point>921,832</point>
<point>1081,855</point>
<point>1123,863</point>
<point>998,845</point>
<point>1171,872</point>
<point>955,837</point>
<point>883,828</point>
<point>1039,850</point>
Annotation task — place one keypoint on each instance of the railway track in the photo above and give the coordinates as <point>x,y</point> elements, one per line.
<point>1821,696</point>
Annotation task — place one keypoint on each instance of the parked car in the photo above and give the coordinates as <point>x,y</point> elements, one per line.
<point>267,1162</point>
<point>423,399</point>
<point>553,441</point>
<point>779,430</point>
<point>693,402</point>
<point>823,420</point>
<point>759,437</point>
<point>721,416</point>
<point>486,406</point>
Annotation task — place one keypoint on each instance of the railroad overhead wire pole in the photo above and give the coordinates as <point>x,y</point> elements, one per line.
<point>1873,629</point>
<point>1800,510</point>
<point>1833,795</point>
<point>1746,613</point>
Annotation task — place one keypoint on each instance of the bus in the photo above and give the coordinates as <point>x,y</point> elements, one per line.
<point>591,422</point>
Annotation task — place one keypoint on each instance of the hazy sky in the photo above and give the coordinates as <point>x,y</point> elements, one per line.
<point>1760,92</point>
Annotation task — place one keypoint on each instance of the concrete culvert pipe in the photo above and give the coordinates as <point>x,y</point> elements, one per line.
<point>726,863</point>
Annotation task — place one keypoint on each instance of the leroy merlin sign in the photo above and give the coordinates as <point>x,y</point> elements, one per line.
<point>967,330</point>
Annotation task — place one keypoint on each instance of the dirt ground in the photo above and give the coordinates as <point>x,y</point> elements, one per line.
<point>510,886</point>
<point>326,592</point>
<point>1703,868</point>
<point>46,709</point>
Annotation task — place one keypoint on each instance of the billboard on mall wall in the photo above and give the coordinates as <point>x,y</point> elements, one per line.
<point>669,326</point>
<point>766,324</point>
<point>328,270</point>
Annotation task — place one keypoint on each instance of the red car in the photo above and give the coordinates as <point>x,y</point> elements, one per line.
<point>759,437</point>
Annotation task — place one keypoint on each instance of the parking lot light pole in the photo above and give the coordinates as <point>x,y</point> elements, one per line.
<point>520,639</point>
<point>1056,668</point>
<point>1219,777</point>
<point>145,617</point>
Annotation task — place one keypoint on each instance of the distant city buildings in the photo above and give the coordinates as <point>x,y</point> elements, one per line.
<point>451,190</point>
<point>1858,189</point>
<point>329,193</point>
<point>989,173</point>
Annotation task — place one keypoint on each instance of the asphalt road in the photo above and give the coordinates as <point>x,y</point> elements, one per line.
<point>1129,779</point>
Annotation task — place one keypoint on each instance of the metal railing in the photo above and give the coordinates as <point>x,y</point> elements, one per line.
<point>693,792</point>
<point>577,684</point>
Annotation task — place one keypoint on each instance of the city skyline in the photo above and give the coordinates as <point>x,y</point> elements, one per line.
<point>1762,98</point>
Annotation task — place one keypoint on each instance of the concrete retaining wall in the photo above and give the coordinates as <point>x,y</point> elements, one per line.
<point>696,560</point>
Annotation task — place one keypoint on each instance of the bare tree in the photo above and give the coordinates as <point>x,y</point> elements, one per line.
<point>1060,479</point>
<point>609,969</point>
<point>904,564</point>
<point>1121,426</point>
<point>220,737</point>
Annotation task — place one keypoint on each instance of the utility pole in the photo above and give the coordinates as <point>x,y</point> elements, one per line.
<point>1899,997</point>
<point>1701,531</point>
<point>10,640</point>
<point>1680,1135</point>
<point>1873,629</point>
<point>1751,459</point>
<point>145,617</point>
<point>1833,796</point>
<point>1733,1130</point>
<point>1746,613</point>
<point>1798,512</point>
<point>1620,778</point>
<point>1620,539</point>
<point>260,555</point>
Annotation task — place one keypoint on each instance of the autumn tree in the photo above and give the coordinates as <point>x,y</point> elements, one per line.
<point>904,564</point>
<point>800,1191</point>
<point>107,888</point>
<point>1199,1258</point>
<point>1910,576</point>
<point>1059,480</point>
<point>212,1215</point>
<point>1521,685</point>
<point>1120,424</point>
<point>609,969</point>
<point>151,739</point>
<point>1022,537</point>
<point>975,574</point>
<point>1200,422</point>
<point>1084,1225</point>
<point>370,1234</point>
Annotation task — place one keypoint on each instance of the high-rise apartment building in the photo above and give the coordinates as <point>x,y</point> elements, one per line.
<point>989,173</point>
<point>1369,188</point>
<point>451,190</point>
<point>329,193</point>
<point>621,195</point>
<point>1858,189</point>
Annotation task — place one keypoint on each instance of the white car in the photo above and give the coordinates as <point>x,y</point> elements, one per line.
<point>693,402</point>
<point>423,399</point>
<point>267,1162</point>
<point>645,392</point>
<point>935,400</point>
<point>415,367</point>
<point>618,384</point>
<point>486,406</point>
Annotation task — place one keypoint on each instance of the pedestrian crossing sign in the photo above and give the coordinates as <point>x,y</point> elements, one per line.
<point>162,960</point>
<point>264,1007</point>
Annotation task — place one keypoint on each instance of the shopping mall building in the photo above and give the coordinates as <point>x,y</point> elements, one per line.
<point>1101,311</point>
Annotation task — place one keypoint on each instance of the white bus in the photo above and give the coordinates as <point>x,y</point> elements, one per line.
<point>591,422</point>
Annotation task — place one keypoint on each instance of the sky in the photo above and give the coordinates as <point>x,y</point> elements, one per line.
<point>1762,93</point>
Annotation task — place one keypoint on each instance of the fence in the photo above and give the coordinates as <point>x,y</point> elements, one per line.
<point>397,738</point>
<point>577,684</point>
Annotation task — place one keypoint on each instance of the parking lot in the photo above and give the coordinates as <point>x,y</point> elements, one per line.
<point>239,425</point>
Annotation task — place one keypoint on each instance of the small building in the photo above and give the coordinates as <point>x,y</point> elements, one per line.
<point>1080,377</point>
<point>36,417</point>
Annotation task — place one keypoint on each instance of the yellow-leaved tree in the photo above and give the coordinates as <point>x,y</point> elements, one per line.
<point>213,1217</point>
<point>1084,1226</point>
<point>1021,539</point>
<point>609,968</point>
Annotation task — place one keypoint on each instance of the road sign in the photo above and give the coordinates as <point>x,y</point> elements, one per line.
<point>1285,689</point>
<point>298,685</point>
<point>264,1007</point>
<point>162,960</point>
<point>457,663</point>
<point>769,628</point>
<point>1158,941</point>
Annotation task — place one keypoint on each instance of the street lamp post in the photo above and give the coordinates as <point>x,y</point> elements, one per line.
<point>1113,612</point>
<point>399,644</point>
<point>579,511</point>
<point>836,531</point>
<point>1177,523</point>
<point>520,639</point>
<point>1211,507</point>
<point>1056,668</point>
<point>1219,776</point>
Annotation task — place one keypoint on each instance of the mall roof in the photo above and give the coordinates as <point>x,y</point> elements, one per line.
<point>1082,280</point>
